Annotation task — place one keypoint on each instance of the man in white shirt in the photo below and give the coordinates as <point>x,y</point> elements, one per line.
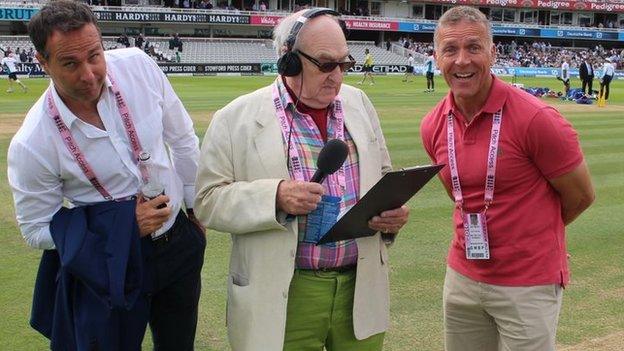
<point>608,71</point>
<point>98,100</point>
<point>9,62</point>
<point>410,67</point>
<point>429,71</point>
<point>565,75</point>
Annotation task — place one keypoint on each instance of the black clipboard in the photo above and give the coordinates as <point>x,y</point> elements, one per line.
<point>393,190</point>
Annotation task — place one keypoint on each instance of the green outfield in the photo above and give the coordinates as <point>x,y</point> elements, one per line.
<point>593,304</point>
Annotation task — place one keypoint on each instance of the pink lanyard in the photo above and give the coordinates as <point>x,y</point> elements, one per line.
<point>296,171</point>
<point>73,148</point>
<point>491,160</point>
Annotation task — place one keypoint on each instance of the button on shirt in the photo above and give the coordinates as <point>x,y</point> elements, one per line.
<point>42,172</point>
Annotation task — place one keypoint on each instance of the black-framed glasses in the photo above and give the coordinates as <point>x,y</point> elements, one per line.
<point>327,67</point>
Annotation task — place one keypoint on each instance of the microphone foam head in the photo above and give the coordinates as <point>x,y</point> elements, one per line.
<point>332,156</point>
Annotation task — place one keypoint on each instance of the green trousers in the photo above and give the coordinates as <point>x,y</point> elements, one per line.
<point>320,314</point>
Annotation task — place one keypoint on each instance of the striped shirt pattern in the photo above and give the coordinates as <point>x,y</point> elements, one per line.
<point>306,138</point>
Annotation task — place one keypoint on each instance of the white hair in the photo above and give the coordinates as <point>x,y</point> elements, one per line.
<point>281,32</point>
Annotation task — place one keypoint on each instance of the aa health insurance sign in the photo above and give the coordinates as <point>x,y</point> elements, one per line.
<point>372,25</point>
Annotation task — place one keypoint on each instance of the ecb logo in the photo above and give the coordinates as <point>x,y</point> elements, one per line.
<point>559,33</point>
<point>522,32</point>
<point>598,35</point>
<point>417,27</point>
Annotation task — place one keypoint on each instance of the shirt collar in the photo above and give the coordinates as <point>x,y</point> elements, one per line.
<point>289,103</point>
<point>495,101</point>
<point>67,115</point>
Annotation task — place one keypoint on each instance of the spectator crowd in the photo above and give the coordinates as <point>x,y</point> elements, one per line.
<point>541,54</point>
<point>533,54</point>
<point>21,55</point>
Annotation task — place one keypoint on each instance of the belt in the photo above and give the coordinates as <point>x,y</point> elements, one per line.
<point>343,269</point>
<point>165,237</point>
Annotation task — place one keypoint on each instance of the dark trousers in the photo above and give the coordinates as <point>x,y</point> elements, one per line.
<point>588,83</point>
<point>430,81</point>
<point>176,264</point>
<point>604,85</point>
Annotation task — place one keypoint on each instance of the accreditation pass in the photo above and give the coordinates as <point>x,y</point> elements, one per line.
<point>475,231</point>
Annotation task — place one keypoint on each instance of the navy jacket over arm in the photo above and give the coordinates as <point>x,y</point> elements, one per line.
<point>92,290</point>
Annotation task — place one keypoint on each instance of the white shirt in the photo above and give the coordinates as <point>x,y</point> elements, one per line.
<point>565,71</point>
<point>410,61</point>
<point>10,63</point>
<point>42,172</point>
<point>607,69</point>
<point>430,64</point>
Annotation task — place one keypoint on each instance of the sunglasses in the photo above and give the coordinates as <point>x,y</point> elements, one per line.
<point>327,67</point>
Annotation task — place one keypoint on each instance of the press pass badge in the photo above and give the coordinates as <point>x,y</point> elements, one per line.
<point>475,231</point>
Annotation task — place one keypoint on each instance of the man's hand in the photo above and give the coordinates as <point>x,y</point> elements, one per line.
<point>149,217</point>
<point>297,197</point>
<point>390,221</point>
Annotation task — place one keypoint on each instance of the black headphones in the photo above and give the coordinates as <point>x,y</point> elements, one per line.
<point>289,64</point>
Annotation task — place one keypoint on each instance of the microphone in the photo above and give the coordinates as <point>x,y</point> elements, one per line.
<point>331,157</point>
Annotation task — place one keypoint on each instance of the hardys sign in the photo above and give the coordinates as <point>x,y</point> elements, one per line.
<point>136,16</point>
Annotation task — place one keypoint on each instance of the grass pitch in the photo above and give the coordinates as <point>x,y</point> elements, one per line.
<point>593,307</point>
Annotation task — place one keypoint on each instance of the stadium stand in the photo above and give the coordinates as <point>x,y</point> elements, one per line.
<point>203,50</point>
<point>11,43</point>
<point>380,56</point>
<point>541,54</point>
<point>361,11</point>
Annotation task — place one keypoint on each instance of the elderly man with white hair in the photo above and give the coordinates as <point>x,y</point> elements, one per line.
<point>258,156</point>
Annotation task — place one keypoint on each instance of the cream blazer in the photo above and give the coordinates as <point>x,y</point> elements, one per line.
<point>241,164</point>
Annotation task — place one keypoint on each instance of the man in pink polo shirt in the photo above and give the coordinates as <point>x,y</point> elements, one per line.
<point>517,175</point>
